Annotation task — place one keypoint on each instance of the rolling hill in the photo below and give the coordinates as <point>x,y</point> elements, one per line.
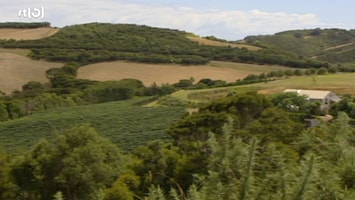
<point>102,49</point>
<point>116,51</point>
<point>330,45</point>
<point>341,84</point>
<point>99,42</point>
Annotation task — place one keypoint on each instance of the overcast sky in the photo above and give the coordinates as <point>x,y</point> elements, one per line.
<point>227,19</point>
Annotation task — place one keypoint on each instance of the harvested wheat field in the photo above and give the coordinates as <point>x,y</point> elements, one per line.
<point>27,33</point>
<point>169,73</point>
<point>16,70</point>
<point>205,41</point>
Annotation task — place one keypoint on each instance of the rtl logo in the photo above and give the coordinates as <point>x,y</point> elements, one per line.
<point>32,13</point>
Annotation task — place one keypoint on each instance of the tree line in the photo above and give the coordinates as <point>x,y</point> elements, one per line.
<point>24,24</point>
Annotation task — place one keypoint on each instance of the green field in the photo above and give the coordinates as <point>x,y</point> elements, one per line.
<point>341,83</point>
<point>123,122</point>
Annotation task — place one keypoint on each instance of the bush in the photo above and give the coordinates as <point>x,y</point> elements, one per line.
<point>322,71</point>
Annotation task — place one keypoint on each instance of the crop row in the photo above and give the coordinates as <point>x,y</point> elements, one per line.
<point>124,123</point>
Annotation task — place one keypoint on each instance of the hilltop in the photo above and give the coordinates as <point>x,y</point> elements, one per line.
<point>95,44</point>
<point>100,51</point>
<point>98,42</point>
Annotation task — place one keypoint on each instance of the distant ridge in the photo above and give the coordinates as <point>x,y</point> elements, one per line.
<point>330,45</point>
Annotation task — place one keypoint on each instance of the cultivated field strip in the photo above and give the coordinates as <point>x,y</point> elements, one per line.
<point>124,123</point>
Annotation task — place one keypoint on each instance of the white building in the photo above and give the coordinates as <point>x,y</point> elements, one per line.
<point>324,97</point>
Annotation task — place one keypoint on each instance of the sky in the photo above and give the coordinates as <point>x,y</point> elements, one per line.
<point>226,19</point>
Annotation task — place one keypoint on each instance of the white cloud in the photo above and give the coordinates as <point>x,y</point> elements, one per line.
<point>228,24</point>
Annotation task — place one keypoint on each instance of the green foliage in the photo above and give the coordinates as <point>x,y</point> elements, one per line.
<point>17,107</point>
<point>332,144</point>
<point>240,169</point>
<point>78,162</point>
<point>258,154</point>
<point>97,42</point>
<point>244,109</point>
<point>330,45</point>
<point>113,91</point>
<point>7,189</point>
<point>347,105</point>
<point>275,125</point>
<point>161,90</point>
<point>183,83</point>
<point>58,196</point>
<point>158,166</point>
<point>24,24</point>
<point>4,115</point>
<point>31,89</point>
<point>296,104</point>
<point>119,191</point>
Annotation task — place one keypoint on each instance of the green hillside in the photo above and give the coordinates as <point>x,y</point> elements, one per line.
<point>331,45</point>
<point>98,42</point>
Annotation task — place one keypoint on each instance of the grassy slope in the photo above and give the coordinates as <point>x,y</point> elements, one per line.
<point>123,122</point>
<point>169,73</point>
<point>342,83</point>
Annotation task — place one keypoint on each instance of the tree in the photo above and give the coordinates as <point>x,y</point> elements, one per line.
<point>297,104</point>
<point>78,162</point>
<point>4,115</point>
<point>248,170</point>
<point>206,81</point>
<point>275,125</point>
<point>322,71</point>
<point>7,189</point>
<point>158,165</point>
<point>298,72</point>
<point>32,88</point>
<point>289,72</point>
<point>347,105</point>
<point>333,69</point>
<point>183,83</point>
